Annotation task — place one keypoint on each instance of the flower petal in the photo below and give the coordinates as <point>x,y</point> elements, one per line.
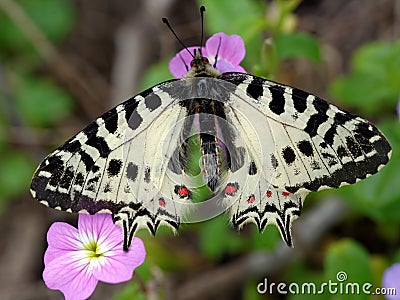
<point>118,265</point>
<point>390,279</point>
<point>63,236</point>
<point>231,48</point>
<point>69,273</point>
<point>179,65</point>
<point>99,228</point>
<point>225,66</point>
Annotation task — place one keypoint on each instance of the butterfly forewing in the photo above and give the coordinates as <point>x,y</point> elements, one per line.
<point>317,145</point>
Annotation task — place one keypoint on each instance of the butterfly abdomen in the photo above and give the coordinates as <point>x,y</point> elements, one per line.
<point>207,117</point>
<point>211,163</point>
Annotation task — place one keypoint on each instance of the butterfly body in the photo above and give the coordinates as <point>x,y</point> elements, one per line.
<point>263,147</point>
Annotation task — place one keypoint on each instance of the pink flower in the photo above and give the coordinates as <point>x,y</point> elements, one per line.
<point>77,259</point>
<point>391,280</point>
<point>231,52</point>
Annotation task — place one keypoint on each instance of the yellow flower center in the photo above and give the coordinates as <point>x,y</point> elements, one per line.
<point>94,251</point>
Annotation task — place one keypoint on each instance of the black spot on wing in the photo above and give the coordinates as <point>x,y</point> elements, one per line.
<point>255,89</point>
<point>288,155</point>
<point>366,130</point>
<point>342,117</point>
<point>330,135</point>
<point>342,152</point>
<point>66,179</point>
<point>252,168</point>
<point>99,144</point>
<point>71,146</point>
<point>114,167</point>
<point>107,188</point>
<point>323,145</point>
<point>353,147</point>
<point>277,104</point>
<point>111,120</point>
<point>305,147</point>
<point>87,160</point>
<point>56,173</point>
<point>132,171</point>
<point>299,100</point>
<point>152,101</point>
<point>95,168</point>
<point>79,179</point>
<point>91,129</point>
<point>147,175</point>
<point>364,143</point>
<point>318,118</point>
<point>131,105</point>
<point>134,120</point>
<point>234,78</point>
<point>53,163</point>
<point>274,161</point>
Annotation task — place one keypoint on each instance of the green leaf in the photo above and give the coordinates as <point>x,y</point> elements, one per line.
<point>297,44</point>
<point>223,16</point>
<point>266,240</point>
<point>216,238</point>
<point>348,263</point>
<point>364,91</point>
<point>245,18</point>
<point>371,57</point>
<point>54,17</point>
<point>396,258</point>
<point>374,78</point>
<point>131,292</point>
<point>308,283</point>
<point>393,68</point>
<point>41,102</point>
<point>16,173</point>
<point>155,74</point>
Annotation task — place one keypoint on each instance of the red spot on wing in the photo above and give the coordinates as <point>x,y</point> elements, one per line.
<point>161,202</point>
<point>285,194</point>
<point>183,191</point>
<point>268,194</point>
<point>251,199</point>
<point>231,189</point>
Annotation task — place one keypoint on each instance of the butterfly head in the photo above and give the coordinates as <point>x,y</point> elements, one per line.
<point>200,67</point>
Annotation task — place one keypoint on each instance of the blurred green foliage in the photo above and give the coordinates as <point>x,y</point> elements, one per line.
<point>40,101</point>
<point>54,17</point>
<point>348,262</point>
<point>374,79</point>
<point>28,100</point>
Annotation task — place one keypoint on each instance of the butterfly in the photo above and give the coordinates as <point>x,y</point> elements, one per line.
<point>263,147</point>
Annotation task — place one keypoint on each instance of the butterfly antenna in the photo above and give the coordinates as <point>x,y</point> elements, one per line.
<point>216,55</point>
<point>202,10</point>
<point>165,21</point>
